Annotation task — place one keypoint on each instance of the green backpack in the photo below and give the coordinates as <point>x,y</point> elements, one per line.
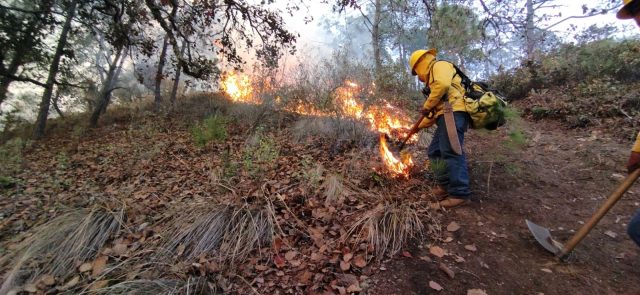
<point>485,105</point>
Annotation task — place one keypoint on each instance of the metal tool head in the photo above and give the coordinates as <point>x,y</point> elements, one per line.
<point>543,236</point>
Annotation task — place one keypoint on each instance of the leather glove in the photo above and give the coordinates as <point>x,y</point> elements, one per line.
<point>634,162</point>
<point>427,113</point>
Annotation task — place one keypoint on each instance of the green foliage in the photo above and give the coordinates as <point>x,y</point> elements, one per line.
<point>517,138</point>
<point>11,158</point>
<point>454,30</point>
<point>438,166</point>
<point>312,172</point>
<point>605,61</point>
<point>260,153</point>
<point>7,182</point>
<point>212,128</point>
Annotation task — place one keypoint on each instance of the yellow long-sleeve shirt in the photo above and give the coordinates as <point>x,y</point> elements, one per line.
<point>636,146</point>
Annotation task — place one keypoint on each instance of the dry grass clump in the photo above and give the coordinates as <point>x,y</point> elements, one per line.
<point>333,189</point>
<point>198,286</point>
<point>333,128</point>
<point>59,245</point>
<point>389,227</point>
<point>227,232</point>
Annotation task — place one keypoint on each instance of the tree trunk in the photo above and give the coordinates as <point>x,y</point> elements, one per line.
<point>176,81</point>
<point>161,60</point>
<point>113,80</point>
<point>56,98</point>
<point>529,31</point>
<point>43,112</point>
<point>375,38</point>
<point>105,92</point>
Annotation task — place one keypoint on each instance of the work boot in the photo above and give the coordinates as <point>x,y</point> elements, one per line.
<point>439,192</point>
<point>448,203</point>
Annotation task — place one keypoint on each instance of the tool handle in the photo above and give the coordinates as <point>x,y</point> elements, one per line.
<point>413,131</point>
<point>612,200</point>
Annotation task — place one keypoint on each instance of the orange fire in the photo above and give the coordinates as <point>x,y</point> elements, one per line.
<point>397,166</point>
<point>239,88</point>
<point>386,119</point>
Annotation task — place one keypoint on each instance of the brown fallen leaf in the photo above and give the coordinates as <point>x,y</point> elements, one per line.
<point>260,267</point>
<point>347,257</point>
<point>425,258</point>
<point>277,244</point>
<point>99,285</point>
<point>459,259</point>
<point>30,288</point>
<point>305,277</point>
<point>435,286</point>
<point>453,226</point>
<point>87,266</point>
<point>437,251</point>
<point>279,261</point>
<point>443,267</point>
<point>48,280</point>
<point>448,240</point>
<point>290,255</point>
<point>476,292</point>
<point>353,288</point>
<point>70,284</point>
<point>406,254</point>
<point>344,266</point>
<point>119,249</point>
<point>471,248</point>
<point>98,265</point>
<point>181,248</point>
<point>359,261</point>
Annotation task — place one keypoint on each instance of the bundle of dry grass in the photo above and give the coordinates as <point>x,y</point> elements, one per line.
<point>389,227</point>
<point>59,245</point>
<point>333,189</point>
<point>196,286</point>
<point>228,232</point>
<point>337,129</point>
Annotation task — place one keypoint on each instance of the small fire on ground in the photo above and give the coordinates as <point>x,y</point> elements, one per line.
<point>386,119</point>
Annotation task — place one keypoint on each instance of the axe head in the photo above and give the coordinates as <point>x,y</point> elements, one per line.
<point>543,236</point>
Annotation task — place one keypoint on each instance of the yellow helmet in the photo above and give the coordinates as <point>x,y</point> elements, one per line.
<point>627,8</point>
<point>419,55</point>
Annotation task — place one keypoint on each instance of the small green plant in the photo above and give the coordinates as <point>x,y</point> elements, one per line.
<point>212,128</point>
<point>229,167</point>
<point>439,168</point>
<point>260,153</point>
<point>517,138</point>
<point>11,157</point>
<point>63,160</point>
<point>311,173</point>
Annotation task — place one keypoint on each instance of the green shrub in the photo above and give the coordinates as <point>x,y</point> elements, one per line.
<point>212,128</point>
<point>570,64</point>
<point>11,158</point>
<point>260,153</point>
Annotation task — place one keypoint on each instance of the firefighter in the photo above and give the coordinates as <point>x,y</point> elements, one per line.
<point>444,105</point>
<point>631,10</point>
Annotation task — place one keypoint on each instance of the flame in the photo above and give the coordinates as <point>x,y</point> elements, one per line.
<point>399,167</point>
<point>386,119</point>
<point>239,88</point>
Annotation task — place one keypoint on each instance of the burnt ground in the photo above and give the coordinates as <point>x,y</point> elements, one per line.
<point>557,179</point>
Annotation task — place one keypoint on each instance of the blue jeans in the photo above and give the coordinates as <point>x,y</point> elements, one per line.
<point>633,229</point>
<point>450,169</point>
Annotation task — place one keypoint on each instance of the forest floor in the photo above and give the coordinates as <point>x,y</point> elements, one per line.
<point>148,167</point>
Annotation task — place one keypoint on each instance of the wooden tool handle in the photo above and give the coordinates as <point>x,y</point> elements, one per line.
<point>414,129</point>
<point>612,200</point>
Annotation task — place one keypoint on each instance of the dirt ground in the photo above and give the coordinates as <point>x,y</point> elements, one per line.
<point>557,180</point>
